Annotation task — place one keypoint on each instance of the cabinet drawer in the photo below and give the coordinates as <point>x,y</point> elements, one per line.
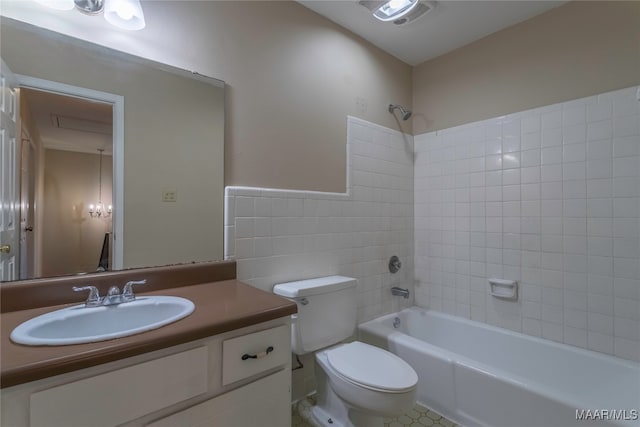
<point>122,395</point>
<point>271,348</point>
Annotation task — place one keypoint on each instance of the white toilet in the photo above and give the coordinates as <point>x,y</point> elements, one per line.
<point>357,384</point>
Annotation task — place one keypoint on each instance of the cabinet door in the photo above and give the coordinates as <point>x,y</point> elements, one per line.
<point>263,403</point>
<point>122,395</point>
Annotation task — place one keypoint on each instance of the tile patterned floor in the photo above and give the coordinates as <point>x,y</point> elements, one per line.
<point>419,416</point>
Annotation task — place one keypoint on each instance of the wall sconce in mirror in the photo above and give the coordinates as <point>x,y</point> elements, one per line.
<point>98,210</point>
<point>125,14</point>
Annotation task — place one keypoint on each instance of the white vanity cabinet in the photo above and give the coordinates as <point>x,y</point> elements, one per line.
<point>240,378</point>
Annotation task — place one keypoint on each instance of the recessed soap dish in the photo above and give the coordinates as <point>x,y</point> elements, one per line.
<point>505,289</point>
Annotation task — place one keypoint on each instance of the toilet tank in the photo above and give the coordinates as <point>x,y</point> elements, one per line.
<point>327,311</point>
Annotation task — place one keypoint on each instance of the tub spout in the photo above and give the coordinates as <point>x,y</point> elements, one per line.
<point>400,292</point>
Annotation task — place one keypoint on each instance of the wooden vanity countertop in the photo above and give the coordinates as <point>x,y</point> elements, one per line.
<point>221,306</point>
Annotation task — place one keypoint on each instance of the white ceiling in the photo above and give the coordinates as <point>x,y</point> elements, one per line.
<point>450,25</point>
<point>84,122</point>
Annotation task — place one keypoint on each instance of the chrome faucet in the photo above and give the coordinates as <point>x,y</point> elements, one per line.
<point>401,292</point>
<point>113,296</point>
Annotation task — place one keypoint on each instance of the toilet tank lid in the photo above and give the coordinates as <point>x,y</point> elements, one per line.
<point>320,285</point>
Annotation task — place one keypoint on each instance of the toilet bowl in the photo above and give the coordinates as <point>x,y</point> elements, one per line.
<point>357,384</point>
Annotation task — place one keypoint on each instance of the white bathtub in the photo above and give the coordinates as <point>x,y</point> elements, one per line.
<point>479,375</point>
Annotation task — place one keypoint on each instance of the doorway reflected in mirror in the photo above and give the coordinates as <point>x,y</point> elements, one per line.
<point>66,173</point>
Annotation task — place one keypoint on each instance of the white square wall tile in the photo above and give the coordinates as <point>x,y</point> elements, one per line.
<point>551,120</point>
<point>601,111</point>
<point>262,206</point>
<point>530,192</point>
<point>574,153</point>
<point>600,208</point>
<point>626,187</point>
<point>626,126</point>
<point>626,146</point>
<point>574,171</point>
<point>626,167</point>
<point>574,115</point>
<point>599,130</point>
<point>628,207</point>
<point>530,140</point>
<point>244,228</point>
<point>599,188</point>
<point>573,134</point>
<point>551,173</point>
<point>600,168</point>
<point>574,189</point>
<point>551,137</point>
<point>552,155</point>
<point>244,206</point>
<point>511,160</point>
<point>530,124</point>
<point>600,149</point>
<point>626,227</point>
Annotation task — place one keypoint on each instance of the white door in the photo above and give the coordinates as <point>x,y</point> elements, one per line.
<point>9,169</point>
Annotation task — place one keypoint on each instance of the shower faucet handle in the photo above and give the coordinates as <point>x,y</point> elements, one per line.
<point>394,264</point>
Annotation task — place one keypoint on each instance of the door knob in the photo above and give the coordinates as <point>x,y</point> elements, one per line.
<point>5,249</point>
<point>28,229</point>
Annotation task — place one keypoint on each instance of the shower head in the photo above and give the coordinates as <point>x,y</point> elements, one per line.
<point>405,113</point>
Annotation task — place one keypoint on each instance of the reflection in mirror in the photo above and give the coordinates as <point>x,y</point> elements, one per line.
<point>66,170</point>
<point>171,164</point>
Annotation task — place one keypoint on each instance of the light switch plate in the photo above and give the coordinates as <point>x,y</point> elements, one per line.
<point>169,195</point>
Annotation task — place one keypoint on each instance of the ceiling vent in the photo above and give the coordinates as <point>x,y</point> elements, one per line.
<point>409,15</point>
<point>417,12</point>
<point>82,125</point>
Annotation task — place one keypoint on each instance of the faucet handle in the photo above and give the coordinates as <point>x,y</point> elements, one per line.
<point>127,291</point>
<point>94,295</point>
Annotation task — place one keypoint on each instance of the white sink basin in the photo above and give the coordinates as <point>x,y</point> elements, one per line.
<point>79,324</point>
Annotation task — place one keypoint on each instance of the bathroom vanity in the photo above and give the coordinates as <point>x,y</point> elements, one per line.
<point>197,371</point>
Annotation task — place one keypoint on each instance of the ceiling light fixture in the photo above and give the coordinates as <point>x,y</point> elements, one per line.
<point>394,9</point>
<point>398,12</point>
<point>89,7</point>
<point>98,210</point>
<point>125,14</point>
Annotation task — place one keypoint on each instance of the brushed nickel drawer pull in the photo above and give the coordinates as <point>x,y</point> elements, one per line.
<point>259,355</point>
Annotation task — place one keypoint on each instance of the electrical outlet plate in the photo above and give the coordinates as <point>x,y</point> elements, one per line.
<point>169,195</point>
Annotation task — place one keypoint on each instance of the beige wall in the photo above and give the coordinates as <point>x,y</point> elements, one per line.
<point>72,240</point>
<point>292,75</point>
<point>577,50</point>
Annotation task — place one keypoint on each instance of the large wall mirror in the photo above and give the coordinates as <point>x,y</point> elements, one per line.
<point>169,164</point>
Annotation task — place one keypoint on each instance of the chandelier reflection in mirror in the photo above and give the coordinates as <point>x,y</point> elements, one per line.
<point>98,210</point>
<point>125,14</point>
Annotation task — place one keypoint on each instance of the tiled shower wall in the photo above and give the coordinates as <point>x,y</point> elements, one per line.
<point>281,235</point>
<point>548,197</point>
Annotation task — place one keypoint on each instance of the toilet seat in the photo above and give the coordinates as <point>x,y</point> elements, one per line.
<point>372,367</point>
